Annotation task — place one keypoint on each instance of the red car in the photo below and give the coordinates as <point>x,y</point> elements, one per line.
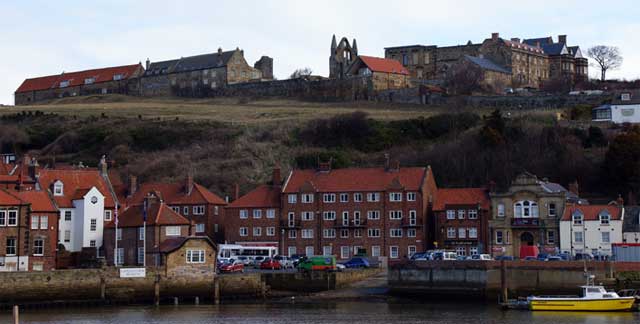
<point>232,266</point>
<point>270,263</point>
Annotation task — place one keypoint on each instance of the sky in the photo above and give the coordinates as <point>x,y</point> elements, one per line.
<point>40,38</point>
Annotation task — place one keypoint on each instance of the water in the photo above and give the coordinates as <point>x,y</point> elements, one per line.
<point>342,312</point>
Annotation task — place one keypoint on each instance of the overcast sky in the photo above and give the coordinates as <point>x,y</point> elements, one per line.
<point>47,37</point>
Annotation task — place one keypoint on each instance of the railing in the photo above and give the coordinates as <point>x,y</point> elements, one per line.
<point>350,223</point>
<point>290,224</point>
<point>526,222</point>
<point>411,223</point>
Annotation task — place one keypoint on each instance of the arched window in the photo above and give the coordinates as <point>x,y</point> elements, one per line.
<point>525,208</point>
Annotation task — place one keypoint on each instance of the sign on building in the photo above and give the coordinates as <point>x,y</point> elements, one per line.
<point>133,272</point>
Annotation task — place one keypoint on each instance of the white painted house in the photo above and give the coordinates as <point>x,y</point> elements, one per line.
<point>624,108</point>
<point>591,228</point>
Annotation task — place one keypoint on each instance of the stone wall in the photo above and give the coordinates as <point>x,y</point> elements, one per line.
<point>534,101</point>
<point>315,281</point>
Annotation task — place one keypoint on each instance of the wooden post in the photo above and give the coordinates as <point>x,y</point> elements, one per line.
<point>216,291</point>
<point>16,314</point>
<point>156,288</point>
<point>103,288</point>
<point>503,281</point>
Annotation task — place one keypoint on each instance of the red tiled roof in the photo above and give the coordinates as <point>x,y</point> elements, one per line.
<point>461,196</point>
<point>157,214</point>
<point>175,194</point>
<point>592,212</point>
<point>39,200</point>
<point>263,196</point>
<point>8,199</point>
<point>356,179</point>
<point>378,64</point>
<point>5,168</point>
<point>8,178</point>
<point>77,78</point>
<point>73,181</point>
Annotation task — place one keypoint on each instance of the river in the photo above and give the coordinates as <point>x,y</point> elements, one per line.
<point>340,312</point>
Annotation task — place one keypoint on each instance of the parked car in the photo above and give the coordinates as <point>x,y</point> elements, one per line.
<point>461,258</point>
<point>542,256</point>
<point>326,263</point>
<point>530,258</point>
<point>257,261</point>
<point>270,263</point>
<point>357,262</point>
<point>340,267</point>
<point>554,258</point>
<point>295,258</point>
<point>444,255</point>
<point>583,256</point>
<point>285,261</point>
<point>481,257</point>
<point>245,260</point>
<point>420,256</point>
<point>505,258</point>
<point>232,265</point>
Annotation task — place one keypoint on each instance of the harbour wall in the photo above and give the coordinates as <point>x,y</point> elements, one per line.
<point>315,281</point>
<point>490,279</point>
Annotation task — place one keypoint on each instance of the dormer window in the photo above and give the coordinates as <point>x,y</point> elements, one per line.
<point>605,217</point>
<point>58,188</point>
<point>625,97</point>
<point>89,80</point>
<point>577,217</point>
<point>64,84</point>
<point>117,77</point>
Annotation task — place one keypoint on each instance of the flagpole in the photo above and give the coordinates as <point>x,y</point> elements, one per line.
<point>144,241</point>
<point>115,251</point>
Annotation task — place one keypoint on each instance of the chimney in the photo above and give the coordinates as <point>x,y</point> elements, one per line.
<point>148,62</point>
<point>133,185</point>
<point>103,166</point>
<point>394,166</point>
<point>562,39</point>
<point>495,36</point>
<point>620,201</point>
<point>515,39</point>
<point>492,186</point>
<point>538,44</point>
<point>192,224</point>
<point>324,166</point>
<point>236,191</point>
<point>33,168</point>
<point>219,50</point>
<point>189,184</point>
<point>386,161</point>
<point>276,178</point>
<point>574,188</point>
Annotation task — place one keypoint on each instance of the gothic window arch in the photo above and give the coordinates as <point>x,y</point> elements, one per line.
<point>525,209</point>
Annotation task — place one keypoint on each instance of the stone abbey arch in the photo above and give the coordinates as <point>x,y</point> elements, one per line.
<point>342,56</point>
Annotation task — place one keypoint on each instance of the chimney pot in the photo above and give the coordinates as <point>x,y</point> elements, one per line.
<point>189,184</point>
<point>620,200</point>
<point>236,191</point>
<point>562,39</point>
<point>515,39</point>
<point>495,36</point>
<point>276,177</point>
<point>133,185</point>
<point>574,188</point>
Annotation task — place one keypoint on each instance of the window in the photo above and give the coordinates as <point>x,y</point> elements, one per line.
<point>411,196</point>
<point>215,210</point>
<point>257,231</point>
<point>461,214</point>
<point>271,231</point>
<point>577,217</point>
<point>395,196</point>
<point>525,209</point>
<point>271,213</point>
<point>395,214</point>
<point>3,217</point>
<point>605,218</point>
<point>307,216</point>
<point>413,218</point>
<point>461,251</point>
<point>326,250</point>
<point>195,256</point>
<point>176,209</point>
<point>117,77</point>
<point>500,210</point>
<point>473,232</point>
<point>291,219</point>
<point>198,210</point>
<point>64,84</point>
<point>411,250</point>
<point>405,59</point>
<point>293,234</point>
<point>462,232</point>
<point>373,214</point>
<point>451,214</point>
<point>244,231</point>
<point>292,198</point>
<point>344,197</point>
<point>344,252</point>
<point>11,246</point>
<point>329,215</point>
<point>357,197</point>
<point>141,233</point>
<point>329,233</point>
<point>307,198</point>
<point>373,232</point>
<point>451,232</point>
<point>393,252</point>
<point>38,247</point>
<point>373,197</point>
<point>345,218</point>
<point>625,97</point>
<point>119,256</point>
<point>89,80</point>
<point>307,233</point>
<point>13,218</point>
<point>473,213</point>
<point>35,222</point>
<point>44,222</point>
<point>499,237</point>
<point>140,255</point>
<point>329,198</point>
<point>67,235</point>
<point>606,238</point>
<point>185,210</point>
<point>411,232</point>
<point>551,237</point>
<point>200,228</point>
<point>244,214</point>
<point>344,233</point>
<point>308,250</point>
<point>577,237</point>
<point>107,215</point>
<point>357,233</point>
<point>257,213</point>
<point>552,210</point>
<point>395,232</point>
<point>172,231</point>
<point>375,251</point>
<point>94,225</point>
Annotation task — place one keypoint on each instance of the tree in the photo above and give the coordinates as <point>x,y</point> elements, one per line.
<point>464,78</point>
<point>606,57</point>
<point>622,162</point>
<point>299,73</point>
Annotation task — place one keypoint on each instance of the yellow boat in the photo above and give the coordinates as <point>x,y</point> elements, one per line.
<point>593,298</point>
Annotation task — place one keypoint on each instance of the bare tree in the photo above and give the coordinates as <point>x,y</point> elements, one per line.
<point>464,78</point>
<point>299,73</point>
<point>606,57</point>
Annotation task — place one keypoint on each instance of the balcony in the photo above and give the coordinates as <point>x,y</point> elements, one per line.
<point>290,224</point>
<point>352,223</point>
<point>526,222</point>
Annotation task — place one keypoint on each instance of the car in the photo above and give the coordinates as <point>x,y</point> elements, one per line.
<point>316,263</point>
<point>444,255</point>
<point>421,256</point>
<point>257,261</point>
<point>245,260</point>
<point>481,257</point>
<point>270,263</point>
<point>530,258</point>
<point>357,262</point>
<point>340,267</point>
<point>505,258</point>
<point>285,261</point>
<point>542,256</point>
<point>583,256</point>
<point>295,258</point>
<point>232,265</point>
<point>461,258</point>
<point>554,258</point>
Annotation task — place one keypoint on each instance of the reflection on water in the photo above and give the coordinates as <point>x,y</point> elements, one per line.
<point>343,312</point>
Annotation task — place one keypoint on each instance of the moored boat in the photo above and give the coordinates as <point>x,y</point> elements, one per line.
<point>592,298</point>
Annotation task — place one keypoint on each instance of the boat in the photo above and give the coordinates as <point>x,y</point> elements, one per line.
<point>593,298</point>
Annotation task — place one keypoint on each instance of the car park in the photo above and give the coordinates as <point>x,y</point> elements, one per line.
<point>270,264</point>
<point>357,262</point>
<point>231,265</point>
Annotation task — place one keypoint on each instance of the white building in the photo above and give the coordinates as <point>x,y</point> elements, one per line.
<point>591,228</point>
<point>624,108</point>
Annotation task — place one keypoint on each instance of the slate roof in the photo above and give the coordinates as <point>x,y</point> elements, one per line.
<point>555,49</point>
<point>461,196</point>
<point>263,196</point>
<point>542,41</point>
<point>487,64</point>
<point>74,182</point>
<point>592,212</point>
<point>157,214</point>
<point>631,223</point>
<point>378,64</point>
<point>190,63</point>
<point>78,78</point>
<point>574,50</point>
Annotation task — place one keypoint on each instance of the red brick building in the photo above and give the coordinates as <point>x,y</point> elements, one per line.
<point>189,199</point>
<point>43,229</point>
<point>255,217</point>
<point>162,223</point>
<point>461,220</point>
<point>377,211</point>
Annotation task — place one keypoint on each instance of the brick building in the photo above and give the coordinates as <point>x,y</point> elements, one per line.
<point>188,198</point>
<point>565,62</point>
<point>197,75</point>
<point>376,211</point>
<point>255,217</point>
<point>14,233</point>
<point>70,84</point>
<point>384,73</point>
<point>461,220</point>
<point>162,223</point>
